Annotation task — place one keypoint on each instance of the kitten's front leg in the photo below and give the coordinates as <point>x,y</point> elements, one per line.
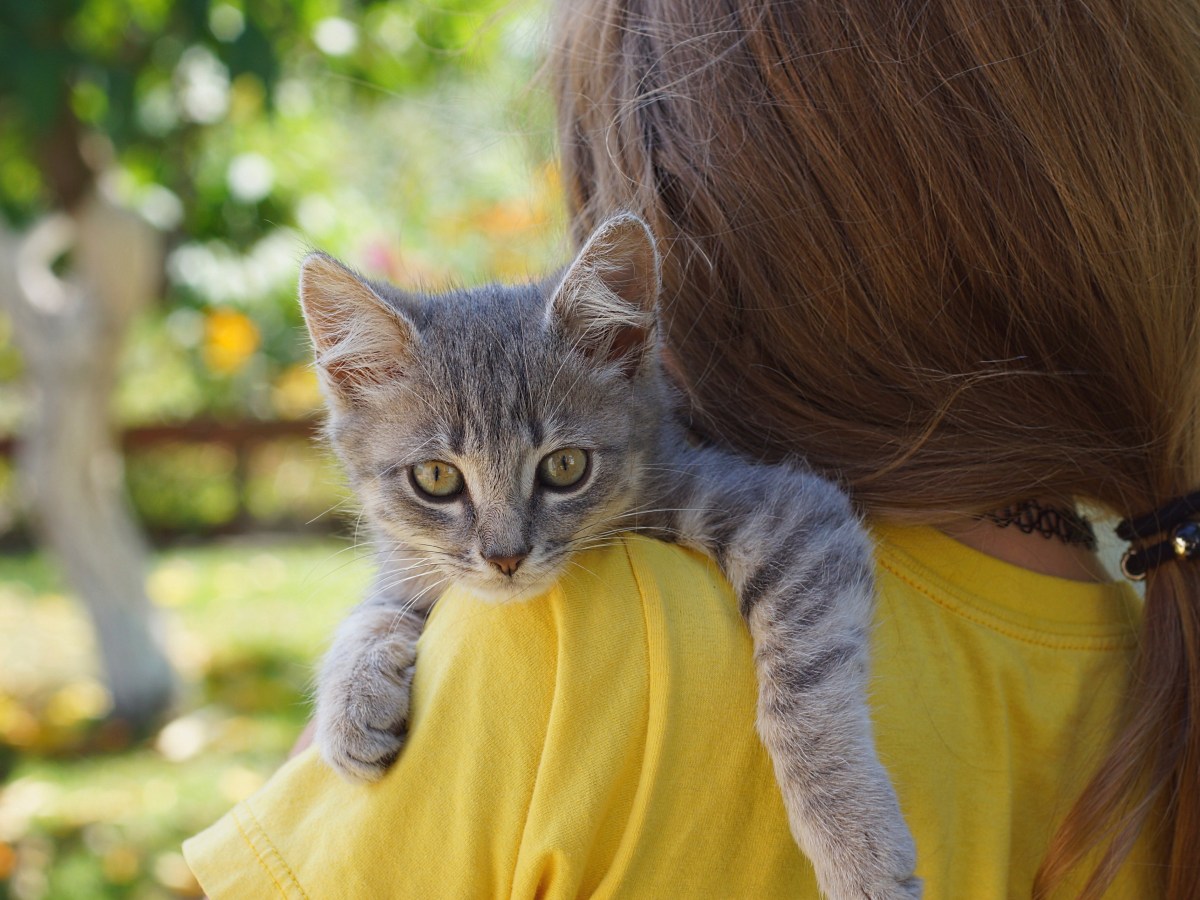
<point>840,802</point>
<point>808,601</point>
<point>802,566</point>
<point>363,688</point>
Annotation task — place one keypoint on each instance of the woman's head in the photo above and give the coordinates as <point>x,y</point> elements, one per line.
<point>948,251</point>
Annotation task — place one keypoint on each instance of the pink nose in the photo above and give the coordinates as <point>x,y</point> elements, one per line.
<point>507,564</point>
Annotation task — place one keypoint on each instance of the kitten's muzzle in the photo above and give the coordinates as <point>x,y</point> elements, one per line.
<point>507,565</point>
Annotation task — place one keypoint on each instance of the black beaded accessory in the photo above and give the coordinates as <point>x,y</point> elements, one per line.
<point>1049,521</point>
<point>1173,518</point>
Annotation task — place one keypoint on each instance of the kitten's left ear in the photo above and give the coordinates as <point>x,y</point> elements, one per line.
<point>606,301</point>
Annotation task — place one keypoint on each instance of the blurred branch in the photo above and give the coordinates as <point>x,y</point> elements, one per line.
<point>67,175</point>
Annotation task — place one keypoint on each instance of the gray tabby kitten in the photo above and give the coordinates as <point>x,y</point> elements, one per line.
<point>492,433</point>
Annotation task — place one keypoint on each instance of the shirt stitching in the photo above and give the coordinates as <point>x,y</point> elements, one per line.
<point>623,856</point>
<point>522,840</point>
<point>274,852</point>
<point>1099,644</point>
<point>262,862</point>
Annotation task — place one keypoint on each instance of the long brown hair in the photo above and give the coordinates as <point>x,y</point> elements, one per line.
<point>948,251</point>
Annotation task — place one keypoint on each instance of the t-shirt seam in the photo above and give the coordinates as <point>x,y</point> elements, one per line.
<point>537,774</point>
<point>637,813</point>
<point>274,851</point>
<point>1099,644</point>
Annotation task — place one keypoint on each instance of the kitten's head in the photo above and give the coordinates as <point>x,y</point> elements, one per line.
<point>497,430</point>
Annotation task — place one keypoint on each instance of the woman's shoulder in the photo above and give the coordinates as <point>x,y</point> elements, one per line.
<point>597,739</point>
<point>649,766</point>
<point>994,693</point>
<point>612,600</point>
<point>617,710</point>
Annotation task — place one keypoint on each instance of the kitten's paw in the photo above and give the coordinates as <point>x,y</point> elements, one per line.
<point>875,864</point>
<point>909,888</point>
<point>871,886</point>
<point>362,719</point>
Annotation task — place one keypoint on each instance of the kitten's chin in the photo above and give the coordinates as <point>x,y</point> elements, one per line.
<point>509,591</point>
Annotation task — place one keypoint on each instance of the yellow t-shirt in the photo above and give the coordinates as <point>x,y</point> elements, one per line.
<point>598,741</point>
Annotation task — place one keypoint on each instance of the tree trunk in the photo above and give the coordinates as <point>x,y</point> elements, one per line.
<point>69,331</point>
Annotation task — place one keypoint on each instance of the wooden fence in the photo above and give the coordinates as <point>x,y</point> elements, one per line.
<point>240,437</point>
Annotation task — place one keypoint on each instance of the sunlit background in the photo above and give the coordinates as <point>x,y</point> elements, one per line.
<point>410,139</point>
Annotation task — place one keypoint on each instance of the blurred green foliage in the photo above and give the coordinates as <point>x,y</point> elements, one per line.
<point>152,75</point>
<point>406,136</point>
<point>399,133</point>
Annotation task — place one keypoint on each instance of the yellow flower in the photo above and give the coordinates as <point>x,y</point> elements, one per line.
<point>230,339</point>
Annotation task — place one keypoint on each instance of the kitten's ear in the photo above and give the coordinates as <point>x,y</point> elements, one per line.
<point>359,340</point>
<point>607,299</point>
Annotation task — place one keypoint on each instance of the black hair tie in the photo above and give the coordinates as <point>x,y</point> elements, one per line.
<point>1182,543</point>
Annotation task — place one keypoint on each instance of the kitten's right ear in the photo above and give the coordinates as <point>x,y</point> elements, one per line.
<point>607,298</point>
<point>359,340</point>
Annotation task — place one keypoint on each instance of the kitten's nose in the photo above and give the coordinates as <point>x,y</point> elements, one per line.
<point>507,564</point>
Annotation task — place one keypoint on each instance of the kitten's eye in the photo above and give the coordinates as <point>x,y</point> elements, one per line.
<point>437,478</point>
<point>563,468</point>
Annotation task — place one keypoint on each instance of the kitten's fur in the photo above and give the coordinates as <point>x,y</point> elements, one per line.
<point>493,379</point>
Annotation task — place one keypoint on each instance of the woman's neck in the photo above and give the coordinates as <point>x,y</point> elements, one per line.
<point>1046,556</point>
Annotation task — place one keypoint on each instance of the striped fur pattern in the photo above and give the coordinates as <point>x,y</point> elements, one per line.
<point>490,381</point>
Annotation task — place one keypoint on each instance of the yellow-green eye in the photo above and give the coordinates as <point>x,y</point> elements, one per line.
<point>437,478</point>
<point>563,468</point>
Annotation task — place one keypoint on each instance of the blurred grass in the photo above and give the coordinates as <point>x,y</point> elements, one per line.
<point>245,621</point>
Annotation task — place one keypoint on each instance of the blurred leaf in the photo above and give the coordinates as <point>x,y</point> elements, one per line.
<point>419,136</point>
<point>42,83</point>
<point>190,487</point>
<point>253,53</point>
